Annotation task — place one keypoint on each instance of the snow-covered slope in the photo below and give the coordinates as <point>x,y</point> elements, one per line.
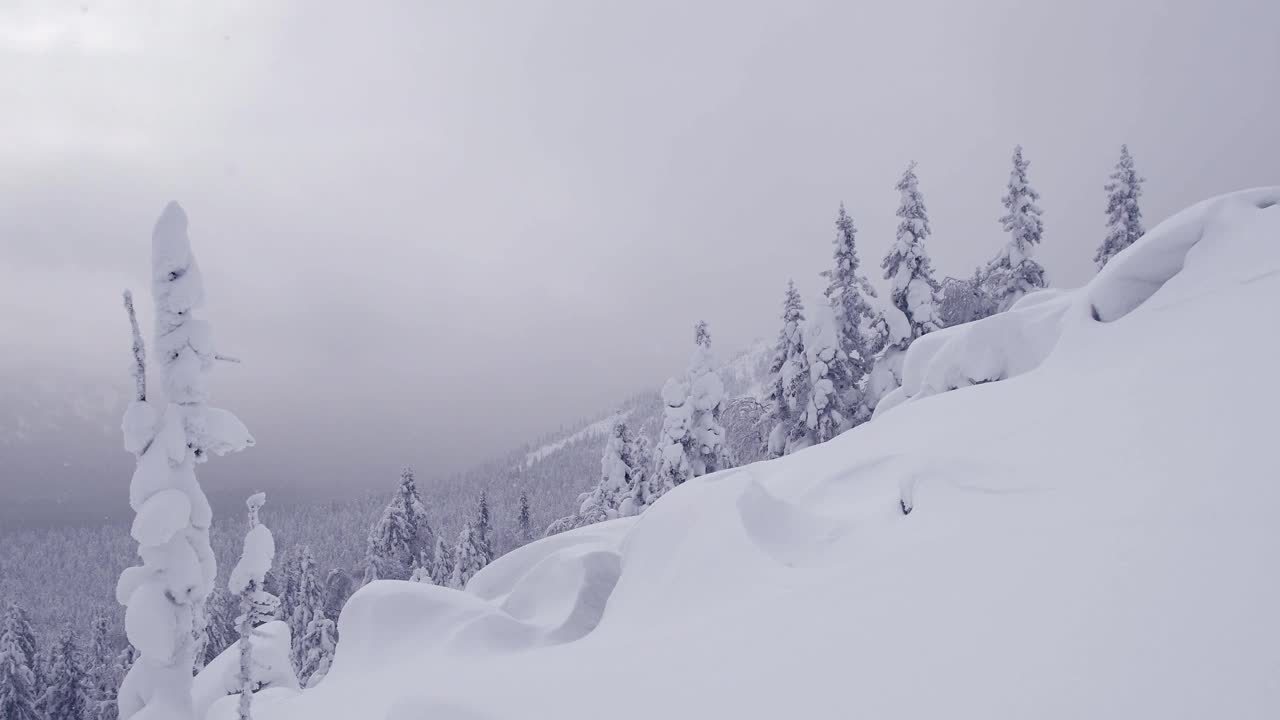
<point>1092,536</point>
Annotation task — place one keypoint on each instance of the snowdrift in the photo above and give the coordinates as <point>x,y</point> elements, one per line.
<point>1092,481</point>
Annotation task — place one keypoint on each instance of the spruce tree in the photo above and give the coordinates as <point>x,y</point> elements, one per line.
<point>18,699</point>
<point>1124,217</point>
<point>827,413</point>
<point>221,611</point>
<point>672,467</point>
<point>338,587</point>
<point>790,383</point>
<point>319,644</point>
<point>401,533</point>
<point>100,669</point>
<point>67,697</point>
<point>907,266</point>
<point>442,564</point>
<point>306,603</point>
<point>1013,272</point>
<point>468,557</point>
<point>848,292</point>
<point>524,521</point>
<point>482,529</point>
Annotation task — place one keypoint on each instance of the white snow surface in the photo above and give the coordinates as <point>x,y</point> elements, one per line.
<point>216,690</point>
<point>1093,536</point>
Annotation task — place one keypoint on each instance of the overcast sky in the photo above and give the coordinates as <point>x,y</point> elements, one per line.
<point>459,224</point>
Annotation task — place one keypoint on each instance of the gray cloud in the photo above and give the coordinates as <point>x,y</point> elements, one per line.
<point>454,222</point>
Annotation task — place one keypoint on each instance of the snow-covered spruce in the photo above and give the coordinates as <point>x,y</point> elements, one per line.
<point>170,434</point>
<point>442,564</point>
<point>1014,272</point>
<point>401,535</point>
<point>624,467</point>
<point>707,450</point>
<point>857,319</point>
<point>67,697</point>
<point>18,692</point>
<point>827,413</point>
<point>302,603</point>
<point>524,522</point>
<point>790,385</point>
<point>257,606</point>
<point>1124,217</point>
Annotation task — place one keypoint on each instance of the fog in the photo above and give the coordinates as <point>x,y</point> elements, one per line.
<point>443,228</point>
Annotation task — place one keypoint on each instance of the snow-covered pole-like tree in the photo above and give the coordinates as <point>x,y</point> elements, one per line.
<point>256,604</point>
<point>1013,272</point>
<point>1124,217</point>
<point>164,597</point>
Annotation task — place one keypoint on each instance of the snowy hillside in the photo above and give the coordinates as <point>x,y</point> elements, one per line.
<point>1090,536</point>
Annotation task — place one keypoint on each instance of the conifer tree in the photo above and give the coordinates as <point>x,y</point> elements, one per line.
<point>1013,272</point>
<point>482,529</point>
<point>442,564</point>
<point>338,587</point>
<point>827,413</point>
<point>221,611</point>
<point>306,604</point>
<point>706,449</point>
<point>401,534</point>
<point>319,644</point>
<point>789,373</point>
<point>907,266</point>
<point>468,557</point>
<point>672,467</point>
<point>67,697</point>
<point>1124,217</point>
<point>524,521</point>
<point>848,292</point>
<point>100,669</point>
<point>18,699</point>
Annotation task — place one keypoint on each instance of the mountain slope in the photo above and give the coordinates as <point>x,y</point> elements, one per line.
<point>1090,536</point>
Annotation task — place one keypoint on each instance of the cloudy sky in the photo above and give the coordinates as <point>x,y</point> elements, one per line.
<point>453,225</point>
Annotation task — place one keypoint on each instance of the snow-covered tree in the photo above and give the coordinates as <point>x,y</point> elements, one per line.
<point>707,451</point>
<point>827,412</point>
<point>304,603</point>
<point>907,267</point>
<point>468,557</point>
<point>422,571</point>
<point>18,698</point>
<point>790,385</point>
<point>524,521</point>
<point>1014,272</point>
<point>99,668</point>
<point>672,467</point>
<point>257,606</point>
<point>848,291</point>
<point>319,644</point>
<point>442,564</point>
<point>1124,217</point>
<point>170,435</point>
<point>401,534</point>
<point>67,697</point>
<point>482,528</point>
<point>221,611</point>
<point>338,587</point>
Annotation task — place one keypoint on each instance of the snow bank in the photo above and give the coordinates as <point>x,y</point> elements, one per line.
<point>1089,538</point>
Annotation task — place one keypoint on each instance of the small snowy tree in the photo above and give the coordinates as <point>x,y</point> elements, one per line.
<point>1013,272</point>
<point>401,533</point>
<point>672,467</point>
<point>305,603</point>
<point>18,700</point>
<point>67,697</point>
<point>790,385</point>
<point>707,451</point>
<point>1124,217</point>
<point>482,528</point>
<point>827,413</point>
<point>907,267</point>
<point>524,521</point>
<point>468,557</point>
<point>319,644</point>
<point>99,664</point>
<point>169,436</point>
<point>848,291</point>
<point>257,606</point>
<point>442,564</point>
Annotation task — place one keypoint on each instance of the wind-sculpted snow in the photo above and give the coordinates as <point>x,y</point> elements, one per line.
<point>1091,536</point>
<point>1017,341</point>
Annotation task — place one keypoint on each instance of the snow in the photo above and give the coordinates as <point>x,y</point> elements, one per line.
<point>595,429</point>
<point>219,681</point>
<point>1090,537</point>
<point>255,561</point>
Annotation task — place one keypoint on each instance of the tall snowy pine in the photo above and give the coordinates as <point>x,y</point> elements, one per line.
<point>18,699</point>
<point>827,413</point>
<point>1014,273</point>
<point>303,605</point>
<point>848,292</point>
<point>790,389</point>
<point>907,267</point>
<point>707,450</point>
<point>1124,217</point>
<point>524,522</point>
<point>67,697</point>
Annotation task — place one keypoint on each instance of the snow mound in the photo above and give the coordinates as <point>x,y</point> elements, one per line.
<point>1088,537</point>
